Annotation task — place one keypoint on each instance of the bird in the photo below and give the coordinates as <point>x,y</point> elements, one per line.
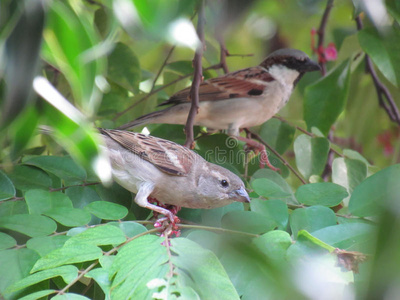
<point>241,99</point>
<point>155,168</point>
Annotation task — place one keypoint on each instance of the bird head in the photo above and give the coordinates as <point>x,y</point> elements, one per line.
<point>220,185</point>
<point>292,59</point>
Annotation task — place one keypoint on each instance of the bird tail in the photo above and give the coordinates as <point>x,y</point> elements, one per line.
<point>146,119</point>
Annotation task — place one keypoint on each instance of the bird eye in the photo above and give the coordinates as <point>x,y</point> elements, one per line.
<point>224,183</point>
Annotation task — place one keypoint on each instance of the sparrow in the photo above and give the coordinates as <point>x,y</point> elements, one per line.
<point>154,168</point>
<point>241,99</point>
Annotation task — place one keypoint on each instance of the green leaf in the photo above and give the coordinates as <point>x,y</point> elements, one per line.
<point>70,296</point>
<point>348,172</point>
<point>69,216</point>
<point>45,244</point>
<point>38,295</point>
<point>133,272</point>
<point>311,219</point>
<point>27,178</point>
<point>200,269</point>
<point>182,67</point>
<point>69,38</point>
<point>100,235</point>
<point>274,245</point>
<point>22,130</point>
<point>276,178</point>
<point>311,154</point>
<point>393,8</point>
<point>325,100</point>
<point>40,201</point>
<point>20,57</point>
<point>7,189</point>
<point>130,228</point>
<point>61,166</point>
<point>68,273</point>
<point>383,49</point>
<point>15,265</point>
<point>124,67</point>
<point>9,208</point>
<point>268,189</point>
<point>68,254</point>
<point>275,210</point>
<point>247,221</point>
<point>321,193</point>
<point>30,225</point>
<point>102,278</point>
<point>107,210</point>
<point>213,217</point>
<point>6,241</point>
<point>279,135</point>
<point>380,189</point>
<point>81,196</point>
<point>350,236</point>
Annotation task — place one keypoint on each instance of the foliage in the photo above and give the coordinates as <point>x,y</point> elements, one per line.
<point>67,236</point>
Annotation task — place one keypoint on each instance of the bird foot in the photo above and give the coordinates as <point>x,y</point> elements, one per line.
<point>170,220</point>
<point>265,161</point>
<point>259,148</point>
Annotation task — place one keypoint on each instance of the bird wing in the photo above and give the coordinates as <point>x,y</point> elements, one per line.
<point>167,156</point>
<point>248,82</point>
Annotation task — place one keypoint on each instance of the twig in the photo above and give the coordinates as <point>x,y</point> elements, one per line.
<point>162,67</point>
<point>321,35</point>
<point>223,55</point>
<point>69,186</point>
<point>197,78</point>
<point>84,272</point>
<point>217,229</point>
<point>383,92</point>
<point>284,161</point>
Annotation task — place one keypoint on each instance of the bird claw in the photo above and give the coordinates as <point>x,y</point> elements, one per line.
<point>265,161</point>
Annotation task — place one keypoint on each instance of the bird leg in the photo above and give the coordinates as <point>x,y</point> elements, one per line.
<point>144,191</point>
<point>258,148</point>
<point>172,209</point>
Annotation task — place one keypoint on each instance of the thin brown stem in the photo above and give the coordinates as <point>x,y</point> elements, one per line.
<point>284,161</point>
<point>162,67</point>
<point>321,35</point>
<point>385,98</point>
<point>217,229</point>
<point>197,78</point>
<point>224,53</point>
<point>69,186</point>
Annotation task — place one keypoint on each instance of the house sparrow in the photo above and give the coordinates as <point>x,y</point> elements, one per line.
<point>156,168</point>
<point>241,99</point>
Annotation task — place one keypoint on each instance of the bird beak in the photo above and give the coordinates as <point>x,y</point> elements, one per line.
<point>311,66</point>
<point>241,195</point>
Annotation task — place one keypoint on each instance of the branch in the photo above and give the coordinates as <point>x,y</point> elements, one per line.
<point>224,54</point>
<point>284,161</point>
<point>385,99</point>
<point>162,67</point>
<point>197,78</point>
<point>321,36</point>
